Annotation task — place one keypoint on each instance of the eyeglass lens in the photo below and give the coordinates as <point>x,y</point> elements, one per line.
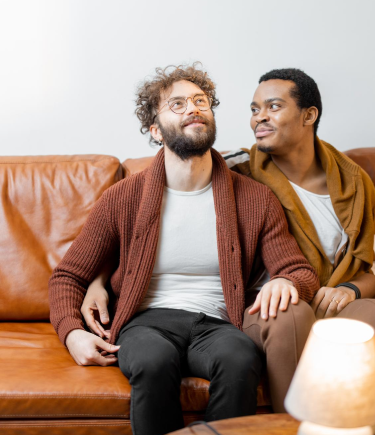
<point>179,105</point>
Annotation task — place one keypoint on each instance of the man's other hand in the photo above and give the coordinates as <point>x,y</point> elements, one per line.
<point>273,296</point>
<point>95,304</point>
<point>89,350</point>
<point>329,301</point>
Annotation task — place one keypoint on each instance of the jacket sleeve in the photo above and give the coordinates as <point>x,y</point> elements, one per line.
<point>281,254</point>
<point>80,265</point>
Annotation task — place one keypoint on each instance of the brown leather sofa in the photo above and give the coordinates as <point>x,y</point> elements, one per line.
<point>44,203</point>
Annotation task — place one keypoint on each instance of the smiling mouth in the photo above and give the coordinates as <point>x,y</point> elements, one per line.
<point>195,124</point>
<point>263,133</point>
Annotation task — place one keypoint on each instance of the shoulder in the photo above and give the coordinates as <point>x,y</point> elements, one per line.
<point>348,165</point>
<point>238,160</point>
<point>246,187</point>
<point>127,184</point>
<point>234,157</point>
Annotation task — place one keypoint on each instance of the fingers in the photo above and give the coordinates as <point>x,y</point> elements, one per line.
<point>105,360</point>
<point>93,324</point>
<point>110,348</point>
<point>318,298</point>
<point>329,301</point>
<point>331,308</point>
<point>273,296</point>
<point>274,302</point>
<point>294,295</point>
<point>103,355</point>
<point>265,303</point>
<point>101,305</point>
<point>256,307</point>
<point>285,296</point>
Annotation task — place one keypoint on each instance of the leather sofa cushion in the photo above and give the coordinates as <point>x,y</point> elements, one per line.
<point>44,201</point>
<point>39,379</point>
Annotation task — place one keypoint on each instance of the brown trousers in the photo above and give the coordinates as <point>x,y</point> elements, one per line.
<point>283,338</point>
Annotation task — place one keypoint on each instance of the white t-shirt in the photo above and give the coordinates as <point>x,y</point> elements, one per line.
<point>186,273</point>
<point>330,232</point>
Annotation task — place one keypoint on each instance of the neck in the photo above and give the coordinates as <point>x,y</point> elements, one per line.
<point>301,165</point>
<point>187,175</point>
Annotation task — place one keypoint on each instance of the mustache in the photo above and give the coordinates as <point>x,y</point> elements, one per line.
<point>263,124</point>
<point>193,118</point>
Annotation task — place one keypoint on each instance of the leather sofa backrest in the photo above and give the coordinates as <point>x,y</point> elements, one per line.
<point>364,157</point>
<point>44,202</point>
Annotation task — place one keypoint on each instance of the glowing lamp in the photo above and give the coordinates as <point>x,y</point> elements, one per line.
<point>333,389</point>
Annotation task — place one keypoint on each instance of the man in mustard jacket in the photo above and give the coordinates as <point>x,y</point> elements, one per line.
<point>329,204</point>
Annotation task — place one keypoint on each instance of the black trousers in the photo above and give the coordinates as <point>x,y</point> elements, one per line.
<point>159,346</point>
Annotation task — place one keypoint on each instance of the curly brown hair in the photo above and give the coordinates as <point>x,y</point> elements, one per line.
<point>149,91</point>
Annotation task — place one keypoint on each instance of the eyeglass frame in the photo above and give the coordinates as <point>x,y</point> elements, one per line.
<point>186,105</point>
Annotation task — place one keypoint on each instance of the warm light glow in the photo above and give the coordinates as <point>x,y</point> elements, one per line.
<point>307,428</point>
<point>334,384</point>
<point>344,331</point>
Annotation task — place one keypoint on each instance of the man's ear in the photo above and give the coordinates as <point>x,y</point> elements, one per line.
<point>310,116</point>
<point>156,133</point>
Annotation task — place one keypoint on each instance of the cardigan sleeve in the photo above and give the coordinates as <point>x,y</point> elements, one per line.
<point>80,265</point>
<point>281,254</point>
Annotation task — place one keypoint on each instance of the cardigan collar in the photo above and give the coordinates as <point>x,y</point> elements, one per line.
<point>153,190</point>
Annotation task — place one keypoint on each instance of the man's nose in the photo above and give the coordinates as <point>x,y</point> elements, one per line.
<point>262,116</point>
<point>191,107</point>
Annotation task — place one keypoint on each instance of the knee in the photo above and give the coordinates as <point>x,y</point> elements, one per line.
<point>297,317</point>
<point>150,363</point>
<point>240,358</point>
<point>292,324</point>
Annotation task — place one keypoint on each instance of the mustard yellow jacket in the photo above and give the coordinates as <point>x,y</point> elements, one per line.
<point>353,198</point>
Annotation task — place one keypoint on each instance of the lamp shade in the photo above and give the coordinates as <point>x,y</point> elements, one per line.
<point>334,384</point>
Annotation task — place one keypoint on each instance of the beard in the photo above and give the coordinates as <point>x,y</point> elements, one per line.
<point>267,149</point>
<point>185,146</point>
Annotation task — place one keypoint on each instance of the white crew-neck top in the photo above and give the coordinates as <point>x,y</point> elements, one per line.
<point>330,232</point>
<point>186,272</point>
<point>327,225</point>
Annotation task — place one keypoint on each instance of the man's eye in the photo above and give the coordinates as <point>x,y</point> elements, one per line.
<point>275,106</point>
<point>254,110</point>
<point>177,104</point>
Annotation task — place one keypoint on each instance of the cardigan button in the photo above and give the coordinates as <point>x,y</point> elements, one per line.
<point>129,272</point>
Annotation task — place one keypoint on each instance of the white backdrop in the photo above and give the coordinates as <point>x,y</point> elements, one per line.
<point>69,68</point>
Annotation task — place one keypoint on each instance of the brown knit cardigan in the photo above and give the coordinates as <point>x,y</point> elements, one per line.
<point>124,226</point>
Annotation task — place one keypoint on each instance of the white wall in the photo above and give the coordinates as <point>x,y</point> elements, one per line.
<point>68,68</point>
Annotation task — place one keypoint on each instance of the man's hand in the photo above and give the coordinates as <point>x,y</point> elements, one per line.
<point>329,301</point>
<point>89,350</point>
<point>95,302</point>
<point>274,295</point>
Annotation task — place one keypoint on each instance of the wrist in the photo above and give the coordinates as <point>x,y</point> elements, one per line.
<point>71,336</point>
<point>285,280</point>
<point>351,286</point>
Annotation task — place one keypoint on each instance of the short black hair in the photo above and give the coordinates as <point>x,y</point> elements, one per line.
<point>305,91</point>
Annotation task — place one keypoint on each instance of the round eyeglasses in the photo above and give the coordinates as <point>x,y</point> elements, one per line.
<point>179,104</point>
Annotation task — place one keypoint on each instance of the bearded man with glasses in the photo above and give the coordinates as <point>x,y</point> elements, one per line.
<point>181,237</point>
